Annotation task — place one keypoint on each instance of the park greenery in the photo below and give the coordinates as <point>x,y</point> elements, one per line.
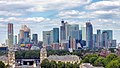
<point>111,61</point>
<point>36,53</point>
<point>52,64</point>
<point>33,54</point>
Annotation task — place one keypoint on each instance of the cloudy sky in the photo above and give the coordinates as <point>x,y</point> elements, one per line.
<point>42,15</point>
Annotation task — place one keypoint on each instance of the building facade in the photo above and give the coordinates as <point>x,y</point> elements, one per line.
<point>10,34</point>
<point>89,35</point>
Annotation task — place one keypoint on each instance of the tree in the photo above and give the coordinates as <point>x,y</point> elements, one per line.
<point>113,64</point>
<point>53,64</point>
<point>45,63</point>
<point>2,65</point>
<point>99,62</point>
<point>109,58</point>
<point>60,64</point>
<point>92,59</point>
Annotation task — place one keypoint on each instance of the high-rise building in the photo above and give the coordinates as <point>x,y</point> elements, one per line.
<point>35,38</point>
<point>55,35</point>
<point>10,34</point>
<point>15,39</point>
<point>89,35</point>
<point>80,35</point>
<point>63,31</point>
<point>47,37</point>
<point>107,35</point>
<point>83,33</point>
<point>73,43</point>
<point>24,35</point>
<point>104,39</point>
<point>99,39</point>
<point>94,41</point>
<point>74,31</point>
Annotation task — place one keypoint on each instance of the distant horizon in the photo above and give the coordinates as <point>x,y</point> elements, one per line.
<point>45,15</point>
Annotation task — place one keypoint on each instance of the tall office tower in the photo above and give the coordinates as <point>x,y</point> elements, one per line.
<point>15,39</point>
<point>35,38</point>
<point>21,34</point>
<point>83,33</point>
<point>67,28</point>
<point>47,37</point>
<point>63,31</point>
<point>10,34</point>
<point>107,35</point>
<point>51,36</point>
<point>80,35</point>
<point>74,31</point>
<point>55,35</point>
<point>99,39</point>
<point>73,43</point>
<point>89,35</point>
<point>112,44</point>
<point>94,41</point>
<point>18,37</point>
<point>104,39</point>
<point>24,35</point>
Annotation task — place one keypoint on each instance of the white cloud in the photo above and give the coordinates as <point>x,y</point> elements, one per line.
<point>40,5</point>
<point>25,20</point>
<point>104,5</point>
<point>7,13</point>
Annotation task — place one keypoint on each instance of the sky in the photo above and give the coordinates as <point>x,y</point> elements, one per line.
<point>43,15</point>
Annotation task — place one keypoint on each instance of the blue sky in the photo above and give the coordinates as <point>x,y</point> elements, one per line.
<point>42,15</point>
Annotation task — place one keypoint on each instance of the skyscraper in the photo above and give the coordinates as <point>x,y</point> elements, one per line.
<point>94,41</point>
<point>47,37</point>
<point>107,35</point>
<point>24,35</point>
<point>55,35</point>
<point>63,31</point>
<point>10,34</point>
<point>35,38</point>
<point>99,39</point>
<point>74,31</point>
<point>89,35</point>
<point>83,33</point>
<point>15,39</point>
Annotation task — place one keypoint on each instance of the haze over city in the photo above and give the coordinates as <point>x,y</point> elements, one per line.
<point>45,15</point>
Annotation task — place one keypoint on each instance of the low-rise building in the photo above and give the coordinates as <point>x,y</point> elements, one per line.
<point>65,58</point>
<point>88,65</point>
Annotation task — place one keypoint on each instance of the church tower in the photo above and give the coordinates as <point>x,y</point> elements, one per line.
<point>11,58</point>
<point>43,54</point>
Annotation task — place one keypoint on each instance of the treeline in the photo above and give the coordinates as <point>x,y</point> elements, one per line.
<point>52,64</point>
<point>64,52</point>
<point>36,53</point>
<point>111,61</point>
<point>33,54</point>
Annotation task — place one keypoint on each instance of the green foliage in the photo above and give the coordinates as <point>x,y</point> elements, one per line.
<point>90,58</point>
<point>99,62</point>
<point>111,61</point>
<point>2,65</point>
<point>113,64</point>
<point>109,58</point>
<point>27,54</point>
<point>52,64</point>
<point>45,64</point>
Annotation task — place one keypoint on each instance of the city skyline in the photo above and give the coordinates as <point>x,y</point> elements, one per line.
<point>44,15</point>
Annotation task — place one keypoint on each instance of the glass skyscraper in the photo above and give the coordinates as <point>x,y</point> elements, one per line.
<point>89,35</point>
<point>55,35</point>
<point>10,34</point>
<point>35,38</point>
